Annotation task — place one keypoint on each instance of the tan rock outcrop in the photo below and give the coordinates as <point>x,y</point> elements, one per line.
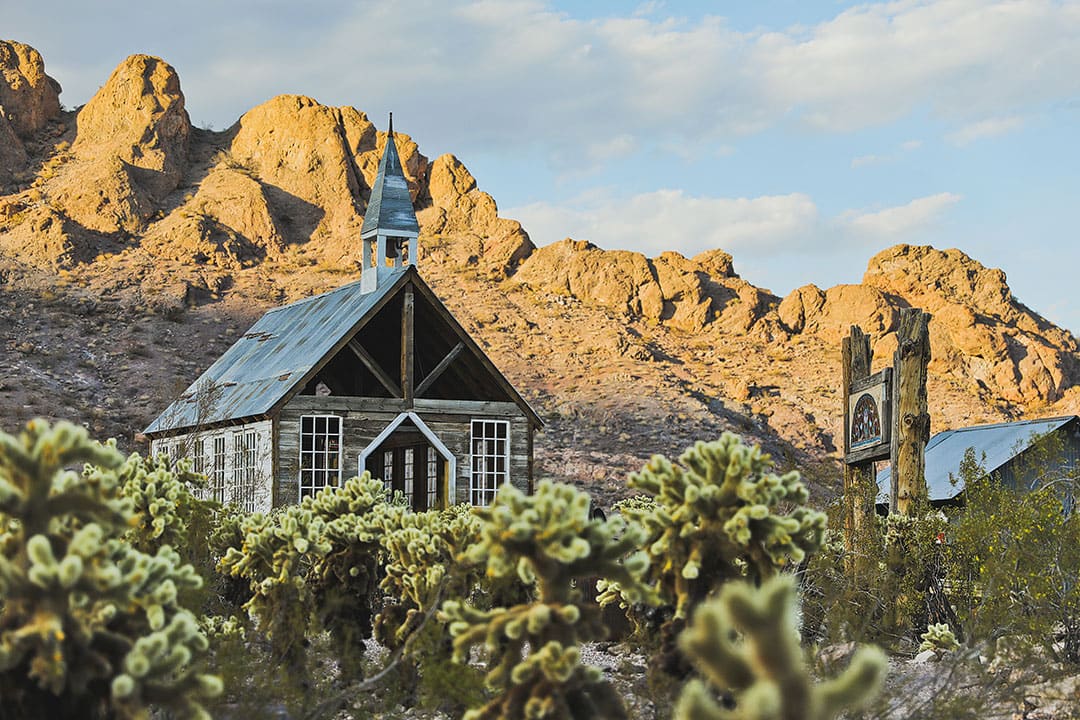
<point>979,333</point>
<point>672,289</point>
<point>138,118</point>
<point>28,97</point>
<point>831,313</point>
<point>228,222</point>
<point>457,207</point>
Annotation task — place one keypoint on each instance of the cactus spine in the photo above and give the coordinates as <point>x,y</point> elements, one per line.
<point>764,668</point>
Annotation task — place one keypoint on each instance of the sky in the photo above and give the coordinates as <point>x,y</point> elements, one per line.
<point>801,136</point>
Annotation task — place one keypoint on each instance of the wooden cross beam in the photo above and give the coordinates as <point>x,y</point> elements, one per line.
<point>378,372</point>
<point>432,376</point>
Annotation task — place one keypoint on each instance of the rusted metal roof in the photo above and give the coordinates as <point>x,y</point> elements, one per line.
<point>1000,443</point>
<point>390,206</point>
<point>273,356</point>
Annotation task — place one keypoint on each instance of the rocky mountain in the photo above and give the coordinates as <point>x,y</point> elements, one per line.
<point>134,246</point>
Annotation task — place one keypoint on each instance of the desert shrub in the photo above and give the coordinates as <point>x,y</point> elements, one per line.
<point>425,563</point>
<point>90,626</point>
<point>890,592</point>
<point>549,541</point>
<point>1015,557</point>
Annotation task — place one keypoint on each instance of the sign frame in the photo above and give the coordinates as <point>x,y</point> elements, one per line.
<point>877,391</point>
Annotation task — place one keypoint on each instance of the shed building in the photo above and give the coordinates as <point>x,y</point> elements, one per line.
<point>376,375</point>
<point>1004,450</point>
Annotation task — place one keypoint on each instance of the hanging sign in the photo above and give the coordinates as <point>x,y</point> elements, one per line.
<point>869,418</point>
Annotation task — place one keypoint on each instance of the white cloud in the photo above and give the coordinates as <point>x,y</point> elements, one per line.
<point>897,221</point>
<point>866,160</point>
<point>992,127</point>
<point>753,228</point>
<point>673,220</point>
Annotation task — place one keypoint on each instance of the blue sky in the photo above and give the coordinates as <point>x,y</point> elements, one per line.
<point>802,137</point>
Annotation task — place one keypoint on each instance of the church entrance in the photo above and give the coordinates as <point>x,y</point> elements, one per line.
<point>407,460</point>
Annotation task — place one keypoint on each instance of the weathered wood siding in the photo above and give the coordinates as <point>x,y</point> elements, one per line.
<point>179,446</point>
<point>364,418</point>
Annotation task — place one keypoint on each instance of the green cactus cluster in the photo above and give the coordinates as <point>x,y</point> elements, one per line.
<point>90,627</point>
<point>313,566</point>
<point>940,638</point>
<point>716,516</point>
<point>746,642</point>
<point>423,564</point>
<point>161,497</point>
<point>550,542</point>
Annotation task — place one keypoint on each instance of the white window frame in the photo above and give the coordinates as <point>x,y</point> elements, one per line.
<point>218,463</point>
<point>310,487</point>
<point>485,480</point>
<point>245,468</point>
<point>198,465</point>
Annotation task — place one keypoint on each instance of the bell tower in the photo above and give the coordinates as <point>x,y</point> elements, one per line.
<point>390,231</point>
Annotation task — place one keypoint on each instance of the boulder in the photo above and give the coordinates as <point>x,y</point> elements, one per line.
<point>28,97</point>
<point>138,118</point>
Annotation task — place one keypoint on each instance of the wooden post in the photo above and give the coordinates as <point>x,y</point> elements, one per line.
<point>912,426</point>
<point>859,480</point>
<point>408,342</point>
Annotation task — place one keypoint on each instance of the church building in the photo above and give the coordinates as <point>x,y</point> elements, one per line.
<point>376,375</point>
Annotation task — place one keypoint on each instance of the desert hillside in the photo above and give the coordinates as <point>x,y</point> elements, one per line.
<point>134,247</point>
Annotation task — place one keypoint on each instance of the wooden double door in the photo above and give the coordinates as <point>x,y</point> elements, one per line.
<point>409,465</point>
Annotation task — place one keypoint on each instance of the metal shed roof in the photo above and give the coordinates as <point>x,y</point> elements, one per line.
<point>274,355</point>
<point>1000,443</point>
<point>390,207</point>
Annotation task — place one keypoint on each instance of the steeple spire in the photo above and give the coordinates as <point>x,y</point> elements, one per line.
<point>390,229</point>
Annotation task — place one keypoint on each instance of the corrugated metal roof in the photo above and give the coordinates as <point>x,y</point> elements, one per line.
<point>1000,443</point>
<point>273,356</point>
<point>390,207</point>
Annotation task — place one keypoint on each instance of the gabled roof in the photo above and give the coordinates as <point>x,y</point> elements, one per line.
<point>274,355</point>
<point>288,345</point>
<point>1000,443</point>
<point>390,207</point>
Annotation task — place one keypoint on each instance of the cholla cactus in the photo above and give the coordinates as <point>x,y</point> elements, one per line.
<point>424,564</point>
<point>939,638</point>
<point>715,517</point>
<point>89,626</point>
<point>160,496</point>
<point>313,564</point>
<point>549,541</point>
<point>763,663</point>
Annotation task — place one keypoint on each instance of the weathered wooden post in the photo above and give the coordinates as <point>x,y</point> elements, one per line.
<point>912,432</point>
<point>867,425</point>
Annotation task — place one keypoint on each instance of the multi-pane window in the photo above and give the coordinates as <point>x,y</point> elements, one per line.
<point>432,477</point>
<point>320,453</point>
<point>490,459</point>
<point>245,470</point>
<point>388,471</point>
<point>409,474</point>
<point>217,470</point>
<point>199,460</point>
<point>199,465</point>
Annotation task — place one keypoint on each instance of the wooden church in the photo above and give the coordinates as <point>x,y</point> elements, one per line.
<point>376,375</point>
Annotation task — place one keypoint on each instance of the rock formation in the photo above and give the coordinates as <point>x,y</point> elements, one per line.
<point>28,97</point>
